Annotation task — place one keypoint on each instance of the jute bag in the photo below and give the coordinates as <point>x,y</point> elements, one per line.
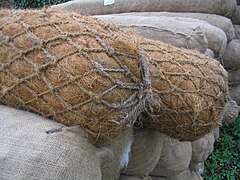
<point>237,31</point>
<point>235,94</point>
<point>236,16</point>
<point>209,53</point>
<point>119,158</point>
<point>189,92</point>
<point>185,175</point>
<point>230,112</point>
<point>159,28</point>
<point>174,159</point>
<point>179,32</point>
<point>72,68</point>
<point>32,147</point>
<point>231,57</point>
<point>220,22</point>
<point>93,7</point>
<point>234,77</point>
<point>216,133</point>
<point>132,177</point>
<point>201,149</point>
<point>145,152</point>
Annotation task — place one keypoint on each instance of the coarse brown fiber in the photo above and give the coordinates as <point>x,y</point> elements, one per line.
<point>189,92</point>
<point>72,68</point>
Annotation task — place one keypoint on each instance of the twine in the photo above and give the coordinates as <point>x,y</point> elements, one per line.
<point>102,127</point>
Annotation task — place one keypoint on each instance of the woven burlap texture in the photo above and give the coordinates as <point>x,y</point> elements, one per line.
<point>182,32</point>
<point>220,22</point>
<point>189,92</point>
<point>201,149</point>
<point>118,160</point>
<point>185,175</point>
<point>175,158</point>
<point>94,7</point>
<point>33,147</point>
<point>145,152</point>
<point>230,112</point>
<point>72,68</point>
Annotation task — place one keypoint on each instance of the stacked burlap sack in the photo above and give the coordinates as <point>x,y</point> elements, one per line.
<point>92,74</point>
<point>33,147</point>
<point>177,160</point>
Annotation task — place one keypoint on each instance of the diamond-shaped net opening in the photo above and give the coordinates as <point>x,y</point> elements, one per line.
<point>189,92</point>
<point>72,68</point>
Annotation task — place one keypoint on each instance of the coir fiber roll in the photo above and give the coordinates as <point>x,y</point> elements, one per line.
<point>189,92</point>
<point>72,68</point>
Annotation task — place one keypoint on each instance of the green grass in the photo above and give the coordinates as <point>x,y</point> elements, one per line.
<point>224,162</point>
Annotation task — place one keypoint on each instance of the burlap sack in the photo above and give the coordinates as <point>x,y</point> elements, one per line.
<point>32,147</point>
<point>209,53</point>
<point>185,175</point>
<point>145,152</point>
<point>181,32</point>
<point>216,133</point>
<point>199,168</point>
<point>220,22</point>
<point>201,149</point>
<point>132,177</point>
<point>94,7</point>
<point>234,77</point>
<point>231,57</point>
<point>178,33</point>
<point>6,4</point>
<point>236,16</point>
<point>189,92</point>
<point>120,147</point>
<point>230,112</point>
<point>235,94</point>
<point>237,31</point>
<point>174,159</point>
<point>72,68</point>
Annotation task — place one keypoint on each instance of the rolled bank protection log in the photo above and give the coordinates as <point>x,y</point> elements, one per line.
<point>189,92</point>
<point>72,68</point>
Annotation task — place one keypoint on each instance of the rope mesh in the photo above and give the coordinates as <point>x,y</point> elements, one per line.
<point>189,92</point>
<point>73,69</point>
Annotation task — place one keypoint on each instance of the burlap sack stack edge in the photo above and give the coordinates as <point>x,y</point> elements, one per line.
<point>72,68</point>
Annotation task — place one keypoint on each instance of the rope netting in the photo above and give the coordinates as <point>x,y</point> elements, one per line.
<point>72,68</point>
<point>189,92</point>
<point>78,70</point>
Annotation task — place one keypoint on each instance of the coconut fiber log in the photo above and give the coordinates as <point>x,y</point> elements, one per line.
<point>189,92</point>
<point>72,68</point>
<point>96,7</point>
